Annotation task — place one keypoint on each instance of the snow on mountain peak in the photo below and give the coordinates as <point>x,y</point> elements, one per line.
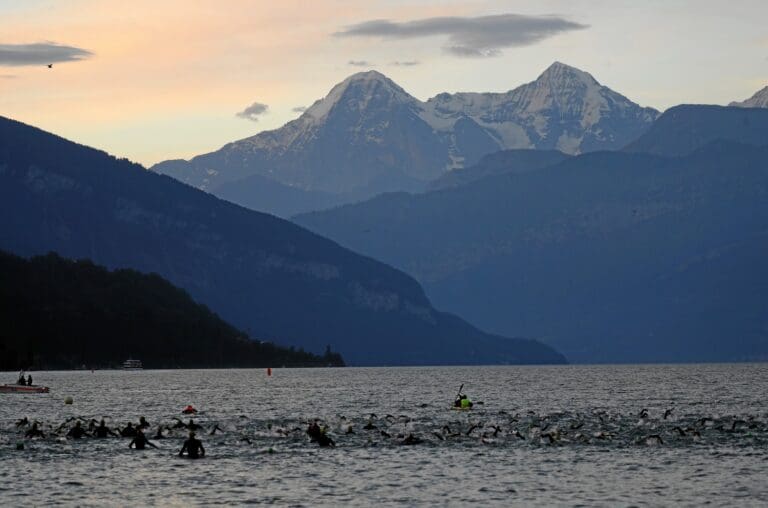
<point>364,86</point>
<point>759,100</point>
<point>559,73</point>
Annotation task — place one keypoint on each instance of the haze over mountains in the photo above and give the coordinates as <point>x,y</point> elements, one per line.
<point>609,256</point>
<point>369,136</point>
<point>267,276</point>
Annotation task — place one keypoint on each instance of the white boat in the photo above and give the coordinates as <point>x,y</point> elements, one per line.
<point>131,364</point>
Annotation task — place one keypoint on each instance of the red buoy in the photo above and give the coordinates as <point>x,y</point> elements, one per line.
<point>269,371</point>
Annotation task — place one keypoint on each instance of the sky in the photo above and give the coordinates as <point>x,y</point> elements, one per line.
<point>153,80</point>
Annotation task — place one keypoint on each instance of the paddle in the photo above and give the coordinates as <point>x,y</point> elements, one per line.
<point>460,387</point>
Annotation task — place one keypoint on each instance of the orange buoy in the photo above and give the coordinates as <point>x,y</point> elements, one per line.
<point>269,371</point>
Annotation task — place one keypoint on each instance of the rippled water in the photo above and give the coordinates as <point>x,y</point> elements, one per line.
<point>565,435</point>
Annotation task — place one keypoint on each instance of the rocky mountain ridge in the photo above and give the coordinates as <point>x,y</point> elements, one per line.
<point>369,136</point>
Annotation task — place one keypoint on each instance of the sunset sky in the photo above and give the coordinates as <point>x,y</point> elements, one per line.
<point>155,80</point>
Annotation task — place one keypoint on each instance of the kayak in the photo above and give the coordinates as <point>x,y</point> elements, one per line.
<point>23,389</point>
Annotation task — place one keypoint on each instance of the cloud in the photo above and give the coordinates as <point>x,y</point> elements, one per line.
<point>406,63</point>
<point>482,36</point>
<point>360,63</point>
<point>299,109</point>
<point>253,112</point>
<point>41,53</point>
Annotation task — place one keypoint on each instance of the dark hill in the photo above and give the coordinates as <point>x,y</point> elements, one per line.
<point>684,129</point>
<point>57,313</point>
<point>609,256</point>
<point>265,275</point>
<point>503,162</point>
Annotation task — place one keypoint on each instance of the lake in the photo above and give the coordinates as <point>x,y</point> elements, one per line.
<point>564,435</point>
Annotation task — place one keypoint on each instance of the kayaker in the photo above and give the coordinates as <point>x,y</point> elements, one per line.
<point>193,447</point>
<point>29,380</point>
<point>462,401</point>
<point>140,441</point>
<point>21,381</point>
<point>102,430</point>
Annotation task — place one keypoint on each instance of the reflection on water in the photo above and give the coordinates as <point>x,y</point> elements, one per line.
<point>540,435</point>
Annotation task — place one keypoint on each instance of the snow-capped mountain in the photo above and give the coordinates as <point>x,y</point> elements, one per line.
<point>368,135</point>
<point>564,109</point>
<point>759,100</point>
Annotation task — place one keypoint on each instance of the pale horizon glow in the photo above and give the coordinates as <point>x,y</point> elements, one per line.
<point>159,80</point>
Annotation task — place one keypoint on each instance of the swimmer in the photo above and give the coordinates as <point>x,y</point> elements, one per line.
<point>128,431</point>
<point>159,433</point>
<point>34,432</point>
<point>77,431</point>
<point>140,441</point>
<point>143,423</point>
<point>317,435</point>
<point>103,431</point>
<point>193,447</point>
<point>411,440</point>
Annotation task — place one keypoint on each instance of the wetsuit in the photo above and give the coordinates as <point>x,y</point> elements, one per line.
<point>318,436</point>
<point>102,431</point>
<point>34,432</point>
<point>29,380</point>
<point>193,447</point>
<point>140,442</point>
<point>128,431</point>
<point>76,432</point>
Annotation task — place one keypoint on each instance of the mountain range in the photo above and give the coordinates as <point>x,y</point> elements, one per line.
<point>654,253</point>
<point>369,136</point>
<point>759,100</point>
<point>275,280</point>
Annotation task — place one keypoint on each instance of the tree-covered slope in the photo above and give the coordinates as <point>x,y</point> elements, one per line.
<point>57,313</point>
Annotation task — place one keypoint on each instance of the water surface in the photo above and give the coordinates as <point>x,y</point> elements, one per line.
<point>565,435</point>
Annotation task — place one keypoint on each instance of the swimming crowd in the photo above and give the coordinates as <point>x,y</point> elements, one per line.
<point>558,428</point>
<point>192,447</point>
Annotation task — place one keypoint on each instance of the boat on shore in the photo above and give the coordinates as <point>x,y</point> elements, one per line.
<point>23,389</point>
<point>131,364</point>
